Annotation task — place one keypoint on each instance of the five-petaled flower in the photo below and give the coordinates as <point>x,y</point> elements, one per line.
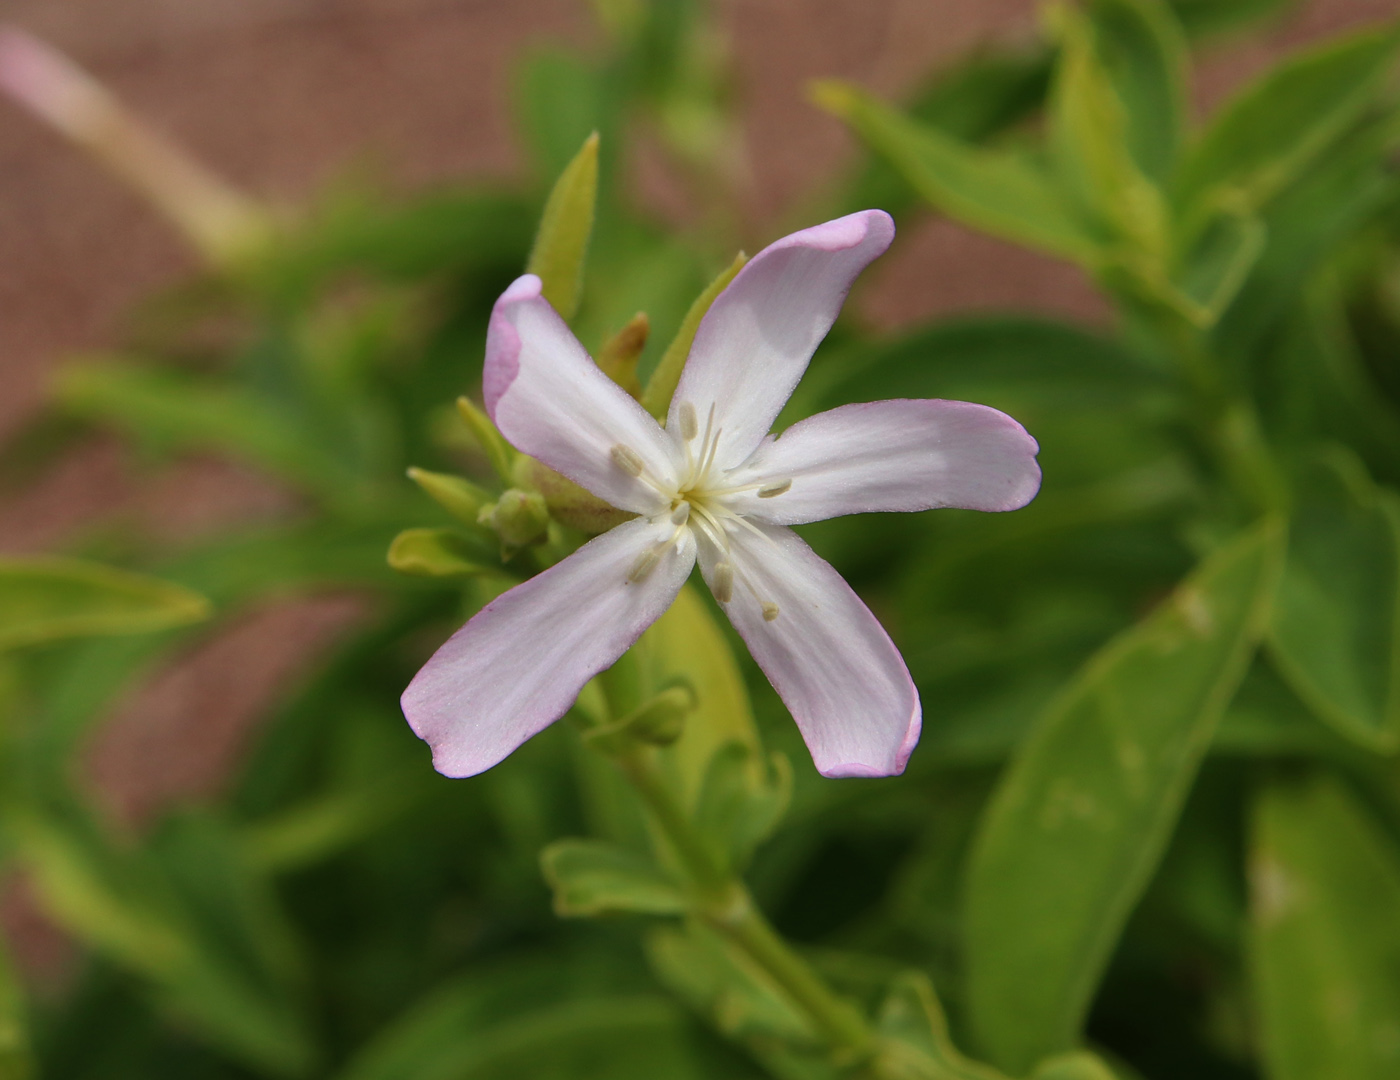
<point>714,486</point>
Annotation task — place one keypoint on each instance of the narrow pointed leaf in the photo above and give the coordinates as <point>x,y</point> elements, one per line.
<point>561,245</point>
<point>1089,135</point>
<point>991,190</point>
<point>1084,810</point>
<point>182,412</point>
<point>1143,52</point>
<point>1335,633</point>
<point>44,598</point>
<point>1324,938</point>
<point>1265,137</point>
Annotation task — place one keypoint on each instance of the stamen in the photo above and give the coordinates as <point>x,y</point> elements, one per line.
<point>770,611</point>
<point>690,426</point>
<point>774,490</point>
<point>646,563</point>
<point>723,585</point>
<point>680,514</point>
<point>628,460</point>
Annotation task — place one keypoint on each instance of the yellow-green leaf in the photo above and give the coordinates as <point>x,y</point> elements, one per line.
<point>992,190</point>
<point>44,598</point>
<point>561,245</point>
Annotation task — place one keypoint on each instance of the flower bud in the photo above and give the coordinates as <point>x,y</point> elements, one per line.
<point>519,517</point>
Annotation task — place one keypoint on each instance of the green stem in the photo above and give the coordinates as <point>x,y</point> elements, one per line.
<point>725,904</point>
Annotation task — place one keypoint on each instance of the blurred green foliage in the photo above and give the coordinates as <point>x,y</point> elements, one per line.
<point>1153,828</point>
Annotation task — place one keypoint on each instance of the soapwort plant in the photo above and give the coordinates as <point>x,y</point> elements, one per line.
<point>1152,824</point>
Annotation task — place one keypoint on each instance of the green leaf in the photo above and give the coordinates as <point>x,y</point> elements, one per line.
<point>190,413</point>
<point>1089,136</point>
<point>126,908</point>
<point>1272,130</point>
<point>1143,53</point>
<point>735,811</point>
<point>514,1024</point>
<point>561,245</point>
<point>1221,255</point>
<point>1085,809</point>
<point>915,1043</point>
<point>44,598</point>
<point>979,97</point>
<point>1335,633</point>
<point>992,190</point>
<point>436,553</point>
<point>1324,939</point>
<point>656,398</point>
<point>592,877</point>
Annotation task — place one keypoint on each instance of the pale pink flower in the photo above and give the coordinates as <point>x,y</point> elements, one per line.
<point>714,486</point>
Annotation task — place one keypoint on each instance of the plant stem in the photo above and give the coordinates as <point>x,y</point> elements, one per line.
<point>725,905</point>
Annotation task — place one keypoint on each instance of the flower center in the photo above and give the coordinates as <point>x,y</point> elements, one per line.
<point>698,501</point>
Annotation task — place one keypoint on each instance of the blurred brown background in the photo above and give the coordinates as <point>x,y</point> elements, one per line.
<point>282,96</point>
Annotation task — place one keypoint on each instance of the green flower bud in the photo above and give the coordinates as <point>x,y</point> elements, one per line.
<point>519,517</point>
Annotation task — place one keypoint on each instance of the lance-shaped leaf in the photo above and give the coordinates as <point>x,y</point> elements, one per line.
<point>1266,136</point>
<point>593,877</point>
<point>44,598</point>
<point>170,409</point>
<point>992,190</point>
<point>561,245</point>
<point>1324,935</point>
<point>1085,809</point>
<point>1089,135</point>
<point>1142,50</point>
<point>1335,633</point>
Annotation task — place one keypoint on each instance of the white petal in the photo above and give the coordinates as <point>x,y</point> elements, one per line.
<point>551,401</point>
<point>825,653</point>
<point>521,661</point>
<point>890,455</point>
<point>756,340</point>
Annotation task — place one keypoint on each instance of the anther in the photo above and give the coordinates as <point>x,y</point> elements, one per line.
<point>723,585</point>
<point>681,514</point>
<point>628,460</point>
<point>690,425</point>
<point>770,611</point>
<point>645,564</point>
<point>774,490</point>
